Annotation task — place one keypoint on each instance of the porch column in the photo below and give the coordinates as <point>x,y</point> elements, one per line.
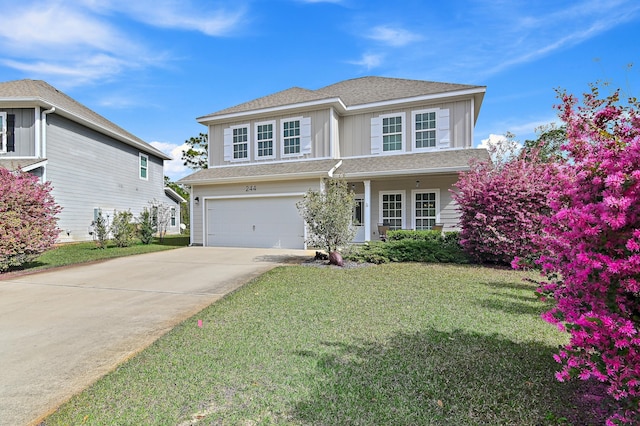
<point>367,210</point>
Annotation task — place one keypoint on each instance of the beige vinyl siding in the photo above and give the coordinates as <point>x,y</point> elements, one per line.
<point>320,137</point>
<point>449,215</point>
<point>355,130</point>
<point>24,132</point>
<point>243,190</point>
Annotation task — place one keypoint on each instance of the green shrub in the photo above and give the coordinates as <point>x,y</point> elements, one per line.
<point>123,229</point>
<point>412,246</point>
<point>101,230</point>
<point>146,227</point>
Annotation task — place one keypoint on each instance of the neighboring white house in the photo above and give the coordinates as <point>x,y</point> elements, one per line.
<point>92,164</point>
<point>399,143</point>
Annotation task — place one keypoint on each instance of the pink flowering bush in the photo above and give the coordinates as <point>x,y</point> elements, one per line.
<point>501,206</point>
<point>593,248</point>
<point>27,218</point>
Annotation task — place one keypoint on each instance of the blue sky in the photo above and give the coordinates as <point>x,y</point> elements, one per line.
<point>152,67</point>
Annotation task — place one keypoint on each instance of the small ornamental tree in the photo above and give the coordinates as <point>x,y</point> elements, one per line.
<point>593,242</point>
<point>329,215</point>
<point>122,228</point>
<point>501,206</point>
<point>27,218</point>
<point>146,229</point>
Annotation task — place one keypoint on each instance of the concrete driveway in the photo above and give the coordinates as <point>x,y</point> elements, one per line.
<point>62,330</point>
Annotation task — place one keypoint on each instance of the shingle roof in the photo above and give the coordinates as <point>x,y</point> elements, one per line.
<point>358,91</point>
<point>43,94</point>
<point>273,171</point>
<point>23,163</point>
<point>405,164</point>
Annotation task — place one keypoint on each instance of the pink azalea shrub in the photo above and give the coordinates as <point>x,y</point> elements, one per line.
<point>27,218</point>
<point>501,206</point>
<point>592,257</point>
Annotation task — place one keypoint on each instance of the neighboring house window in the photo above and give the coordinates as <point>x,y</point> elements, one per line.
<point>391,208</point>
<point>291,137</point>
<point>424,125</point>
<point>426,208</point>
<point>388,133</point>
<point>144,166</point>
<point>173,216</point>
<point>3,132</point>
<point>295,134</point>
<point>7,125</point>
<point>264,139</point>
<point>240,143</point>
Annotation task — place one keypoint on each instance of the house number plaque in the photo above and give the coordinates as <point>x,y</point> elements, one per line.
<point>250,188</point>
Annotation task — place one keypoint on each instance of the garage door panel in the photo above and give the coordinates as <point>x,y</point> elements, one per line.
<point>255,222</point>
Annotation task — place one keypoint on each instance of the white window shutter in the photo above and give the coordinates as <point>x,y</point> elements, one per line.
<point>376,135</point>
<point>305,135</point>
<point>444,133</point>
<point>228,144</point>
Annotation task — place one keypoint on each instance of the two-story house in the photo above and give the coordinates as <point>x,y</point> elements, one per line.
<point>93,165</point>
<point>399,144</point>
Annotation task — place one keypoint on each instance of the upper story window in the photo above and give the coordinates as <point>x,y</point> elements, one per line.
<point>424,126</point>
<point>264,139</point>
<point>240,143</point>
<point>144,166</point>
<point>392,133</point>
<point>291,137</point>
<point>388,133</point>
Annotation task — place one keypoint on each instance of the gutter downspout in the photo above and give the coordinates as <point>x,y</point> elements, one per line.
<point>334,168</point>
<point>43,135</point>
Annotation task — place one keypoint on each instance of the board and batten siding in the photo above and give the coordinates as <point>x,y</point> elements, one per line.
<point>355,130</point>
<point>248,189</point>
<point>24,132</point>
<point>449,214</point>
<point>90,170</point>
<point>320,138</point>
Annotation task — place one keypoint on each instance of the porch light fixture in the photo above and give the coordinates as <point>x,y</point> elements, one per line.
<point>417,184</point>
<point>197,200</point>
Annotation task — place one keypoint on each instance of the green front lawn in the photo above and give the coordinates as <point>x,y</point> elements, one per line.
<point>396,344</point>
<point>73,253</point>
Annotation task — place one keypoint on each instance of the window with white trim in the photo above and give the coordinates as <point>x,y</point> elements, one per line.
<point>392,208</point>
<point>425,129</point>
<point>291,137</point>
<point>3,132</point>
<point>392,133</point>
<point>265,136</point>
<point>173,216</point>
<point>144,166</point>
<point>240,142</point>
<point>426,208</point>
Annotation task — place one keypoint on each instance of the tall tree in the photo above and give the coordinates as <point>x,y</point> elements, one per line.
<point>548,145</point>
<point>197,156</point>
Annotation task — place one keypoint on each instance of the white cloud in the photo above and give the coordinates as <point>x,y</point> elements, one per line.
<point>393,36</point>
<point>175,168</point>
<point>368,61</point>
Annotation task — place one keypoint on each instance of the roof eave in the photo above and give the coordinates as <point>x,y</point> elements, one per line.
<point>210,119</point>
<point>38,101</point>
<point>405,172</point>
<point>263,178</point>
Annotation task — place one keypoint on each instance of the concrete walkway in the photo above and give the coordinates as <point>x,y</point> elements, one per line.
<point>62,330</point>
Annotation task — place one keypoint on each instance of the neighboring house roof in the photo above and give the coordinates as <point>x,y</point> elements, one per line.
<point>449,161</point>
<point>26,93</point>
<point>351,94</point>
<point>24,164</point>
<point>174,195</point>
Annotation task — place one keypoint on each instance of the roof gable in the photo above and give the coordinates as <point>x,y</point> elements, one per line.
<point>45,95</point>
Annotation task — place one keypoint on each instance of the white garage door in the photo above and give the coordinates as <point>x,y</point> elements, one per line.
<point>255,222</point>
